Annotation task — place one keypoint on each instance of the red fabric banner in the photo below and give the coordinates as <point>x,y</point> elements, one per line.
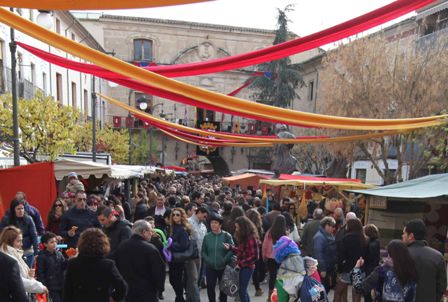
<point>36,180</point>
<point>73,65</point>
<point>343,30</point>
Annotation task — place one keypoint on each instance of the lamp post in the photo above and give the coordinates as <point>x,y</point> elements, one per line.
<point>44,19</point>
<point>15,105</point>
<point>93,120</point>
<point>129,128</point>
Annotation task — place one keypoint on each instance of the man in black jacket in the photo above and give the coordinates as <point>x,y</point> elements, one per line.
<point>431,272</point>
<point>77,219</point>
<point>141,265</point>
<point>11,285</point>
<point>116,229</point>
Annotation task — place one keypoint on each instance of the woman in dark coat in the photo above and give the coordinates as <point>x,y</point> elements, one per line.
<point>91,277</point>
<point>373,253</point>
<point>54,216</point>
<point>180,234</point>
<point>352,247</point>
<point>20,219</point>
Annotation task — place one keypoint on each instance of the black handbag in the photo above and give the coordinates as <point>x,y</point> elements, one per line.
<point>192,252</point>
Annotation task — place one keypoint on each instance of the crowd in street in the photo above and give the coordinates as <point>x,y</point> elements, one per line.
<point>107,248</point>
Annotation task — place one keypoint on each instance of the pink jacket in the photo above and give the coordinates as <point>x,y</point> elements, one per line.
<point>267,250</point>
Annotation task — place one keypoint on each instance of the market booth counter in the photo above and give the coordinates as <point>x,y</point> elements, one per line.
<point>308,189</point>
<point>390,207</point>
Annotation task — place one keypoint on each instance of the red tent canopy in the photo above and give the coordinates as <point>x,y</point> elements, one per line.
<point>302,177</point>
<point>35,180</point>
<point>175,168</point>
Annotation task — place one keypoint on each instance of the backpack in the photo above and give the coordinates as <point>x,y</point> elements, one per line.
<point>312,291</point>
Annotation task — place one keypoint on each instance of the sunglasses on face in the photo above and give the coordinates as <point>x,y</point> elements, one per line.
<point>81,199</point>
<point>176,214</point>
<point>58,205</point>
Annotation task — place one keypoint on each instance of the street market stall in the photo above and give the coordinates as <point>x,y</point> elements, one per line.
<point>389,207</point>
<point>244,181</point>
<point>306,189</point>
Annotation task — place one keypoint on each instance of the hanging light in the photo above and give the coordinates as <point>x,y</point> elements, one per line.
<point>44,19</point>
<point>143,105</point>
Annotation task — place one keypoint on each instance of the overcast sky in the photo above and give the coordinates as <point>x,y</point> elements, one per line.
<point>309,15</point>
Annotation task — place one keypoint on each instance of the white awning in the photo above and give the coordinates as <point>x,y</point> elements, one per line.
<point>82,168</point>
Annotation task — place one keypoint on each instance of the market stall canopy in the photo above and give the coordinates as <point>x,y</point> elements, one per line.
<point>297,180</point>
<point>430,186</point>
<point>138,168</point>
<point>318,178</point>
<point>253,171</point>
<point>85,169</point>
<point>244,180</point>
<point>176,168</point>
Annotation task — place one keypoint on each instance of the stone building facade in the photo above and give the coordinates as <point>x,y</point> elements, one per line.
<point>168,42</point>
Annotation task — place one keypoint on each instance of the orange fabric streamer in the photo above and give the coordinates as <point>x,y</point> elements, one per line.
<point>93,4</point>
<point>208,97</point>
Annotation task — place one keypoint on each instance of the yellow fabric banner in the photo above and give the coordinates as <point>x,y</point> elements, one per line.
<point>92,4</point>
<point>244,138</point>
<point>209,97</point>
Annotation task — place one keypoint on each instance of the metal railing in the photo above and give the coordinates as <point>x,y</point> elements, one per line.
<point>25,88</point>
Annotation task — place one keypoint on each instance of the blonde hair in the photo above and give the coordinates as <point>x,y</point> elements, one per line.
<point>183,220</point>
<point>9,235</point>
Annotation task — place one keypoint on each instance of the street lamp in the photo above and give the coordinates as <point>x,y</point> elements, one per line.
<point>15,106</point>
<point>44,19</point>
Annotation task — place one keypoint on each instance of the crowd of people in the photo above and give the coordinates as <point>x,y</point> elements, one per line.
<point>119,250</point>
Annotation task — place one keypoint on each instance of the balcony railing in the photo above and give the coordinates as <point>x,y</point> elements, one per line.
<point>244,128</point>
<point>429,40</point>
<point>25,89</point>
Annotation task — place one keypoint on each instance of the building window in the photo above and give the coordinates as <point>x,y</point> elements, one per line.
<point>311,91</point>
<point>361,174</point>
<point>73,37</point>
<point>20,65</point>
<point>33,74</point>
<point>44,82</point>
<point>58,26</point>
<point>74,95</point>
<point>59,91</point>
<point>142,50</point>
<point>86,102</point>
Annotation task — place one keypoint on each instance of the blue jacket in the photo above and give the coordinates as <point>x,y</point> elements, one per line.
<point>385,283</point>
<point>29,233</point>
<point>35,215</point>
<point>180,238</point>
<point>324,250</point>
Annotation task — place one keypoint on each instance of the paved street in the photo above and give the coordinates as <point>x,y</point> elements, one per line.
<point>169,293</point>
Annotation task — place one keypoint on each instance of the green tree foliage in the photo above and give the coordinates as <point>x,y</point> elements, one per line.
<point>140,152</point>
<point>109,140</point>
<point>278,86</point>
<point>46,127</point>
